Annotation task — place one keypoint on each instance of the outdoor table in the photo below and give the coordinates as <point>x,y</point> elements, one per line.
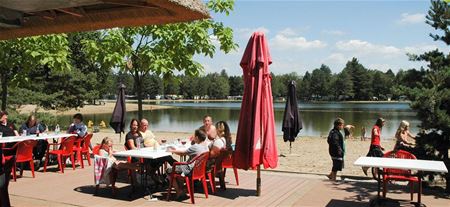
<point>146,153</point>
<point>34,137</point>
<point>402,164</point>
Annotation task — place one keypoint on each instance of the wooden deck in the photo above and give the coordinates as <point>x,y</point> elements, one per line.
<point>75,188</point>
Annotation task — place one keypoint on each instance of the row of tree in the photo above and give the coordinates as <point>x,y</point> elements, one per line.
<point>354,82</point>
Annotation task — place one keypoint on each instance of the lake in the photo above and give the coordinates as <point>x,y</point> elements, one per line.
<point>317,117</point>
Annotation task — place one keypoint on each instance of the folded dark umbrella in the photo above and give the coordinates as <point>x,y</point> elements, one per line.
<point>292,124</point>
<point>118,116</point>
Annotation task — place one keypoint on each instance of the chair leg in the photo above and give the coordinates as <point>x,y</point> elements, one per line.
<point>60,164</point>
<point>236,176</point>
<point>88,157</point>
<point>14,172</point>
<point>80,159</point>
<point>169,190</point>
<point>212,181</point>
<point>190,187</point>
<point>205,187</point>
<point>73,161</point>
<point>411,189</point>
<point>32,167</point>
<point>45,162</point>
<point>222,181</point>
<point>384,188</point>
<point>21,169</point>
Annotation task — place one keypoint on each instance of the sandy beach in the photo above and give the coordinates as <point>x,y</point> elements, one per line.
<point>309,154</point>
<point>107,107</point>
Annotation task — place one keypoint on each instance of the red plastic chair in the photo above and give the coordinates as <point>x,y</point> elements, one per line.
<point>24,153</point>
<point>197,173</point>
<point>96,150</point>
<point>399,175</point>
<point>82,148</point>
<point>65,151</point>
<point>228,163</point>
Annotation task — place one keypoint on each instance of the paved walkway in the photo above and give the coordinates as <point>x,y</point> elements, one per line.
<point>75,188</point>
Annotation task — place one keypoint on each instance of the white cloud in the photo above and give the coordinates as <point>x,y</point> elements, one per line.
<point>214,40</point>
<point>412,18</point>
<point>360,47</point>
<point>287,32</point>
<point>333,32</point>
<point>336,58</point>
<point>245,33</point>
<point>284,42</point>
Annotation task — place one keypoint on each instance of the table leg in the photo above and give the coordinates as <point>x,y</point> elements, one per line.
<point>378,181</point>
<point>420,189</point>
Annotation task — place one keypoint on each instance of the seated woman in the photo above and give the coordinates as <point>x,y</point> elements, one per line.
<point>198,148</point>
<point>223,140</point>
<point>114,165</point>
<point>402,136</point>
<point>133,139</point>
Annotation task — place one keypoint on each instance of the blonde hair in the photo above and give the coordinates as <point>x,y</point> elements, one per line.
<point>106,140</point>
<point>402,127</point>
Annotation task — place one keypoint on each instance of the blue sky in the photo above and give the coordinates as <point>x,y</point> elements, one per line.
<point>304,34</point>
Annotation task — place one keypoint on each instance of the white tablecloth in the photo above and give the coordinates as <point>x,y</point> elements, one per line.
<point>34,137</point>
<point>405,164</point>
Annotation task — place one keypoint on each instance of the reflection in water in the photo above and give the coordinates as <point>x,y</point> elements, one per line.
<point>317,118</point>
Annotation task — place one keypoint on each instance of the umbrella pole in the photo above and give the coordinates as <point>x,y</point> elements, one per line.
<point>258,181</point>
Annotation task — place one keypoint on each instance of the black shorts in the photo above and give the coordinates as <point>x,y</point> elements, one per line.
<point>337,165</point>
<point>375,151</point>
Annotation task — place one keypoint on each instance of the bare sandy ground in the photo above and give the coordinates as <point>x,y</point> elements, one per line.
<point>91,109</point>
<point>308,155</point>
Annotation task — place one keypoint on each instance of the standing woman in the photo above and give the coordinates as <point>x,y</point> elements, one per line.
<point>336,148</point>
<point>375,150</point>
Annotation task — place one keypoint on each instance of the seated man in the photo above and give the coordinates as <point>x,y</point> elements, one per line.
<point>78,127</point>
<point>147,135</point>
<point>196,149</point>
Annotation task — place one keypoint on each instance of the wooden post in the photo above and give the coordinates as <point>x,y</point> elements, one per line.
<point>258,181</point>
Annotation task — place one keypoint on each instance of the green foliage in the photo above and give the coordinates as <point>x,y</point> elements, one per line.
<point>431,98</point>
<point>162,49</point>
<point>236,85</point>
<point>20,56</point>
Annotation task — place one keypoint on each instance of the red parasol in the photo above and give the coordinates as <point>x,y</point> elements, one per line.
<point>256,140</point>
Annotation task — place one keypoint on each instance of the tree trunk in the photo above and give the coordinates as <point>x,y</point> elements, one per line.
<point>4,78</point>
<point>138,85</point>
<point>447,175</point>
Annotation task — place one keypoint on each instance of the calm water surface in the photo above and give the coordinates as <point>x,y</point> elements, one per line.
<point>317,117</point>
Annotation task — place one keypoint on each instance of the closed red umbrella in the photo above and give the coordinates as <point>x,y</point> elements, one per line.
<point>256,140</point>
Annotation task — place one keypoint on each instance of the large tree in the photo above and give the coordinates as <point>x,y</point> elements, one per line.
<point>19,56</point>
<point>163,49</point>
<point>431,98</point>
<point>361,79</point>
